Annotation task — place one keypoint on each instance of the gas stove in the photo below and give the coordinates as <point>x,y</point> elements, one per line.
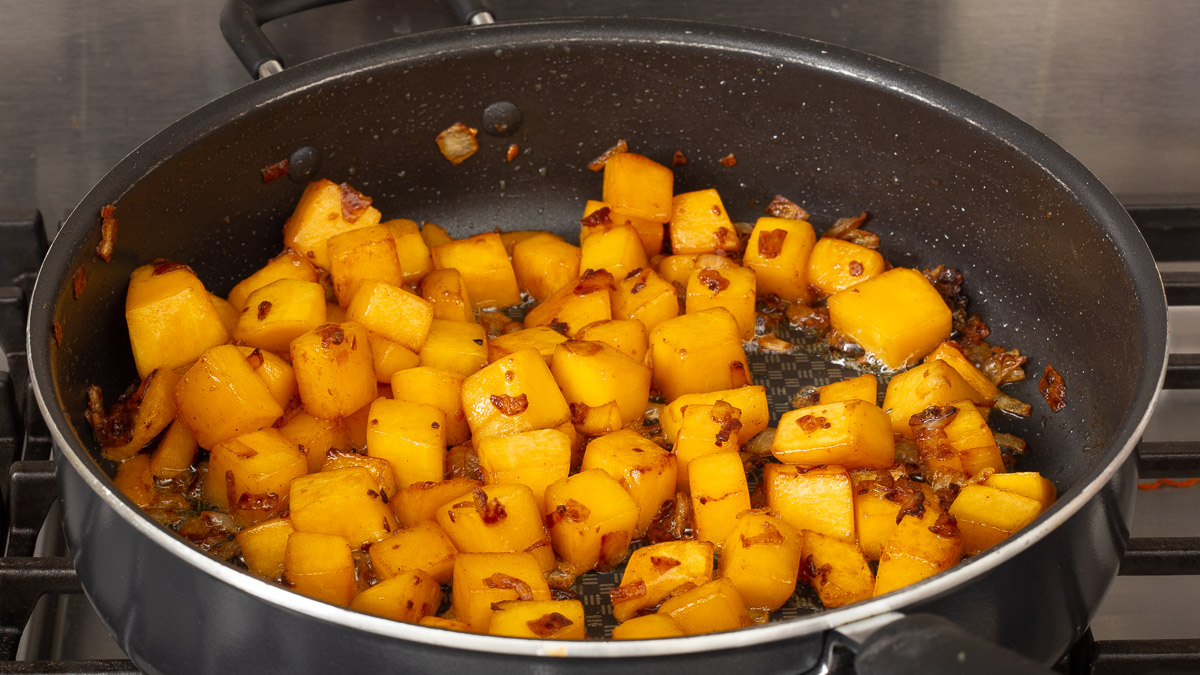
<point>94,80</point>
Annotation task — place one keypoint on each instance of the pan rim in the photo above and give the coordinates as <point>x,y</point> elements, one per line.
<point>871,70</point>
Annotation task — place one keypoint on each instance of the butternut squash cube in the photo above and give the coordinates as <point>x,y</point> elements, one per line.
<point>836,265</point>
<point>456,347</point>
<point>539,619</point>
<point>335,371</point>
<point>638,186</point>
<point>264,546</point>
<point>276,373</point>
<point>411,437</point>
<point>424,547</point>
<point>171,318</point>
<point>365,254</point>
<point>483,579</point>
<point>987,515</point>
<point>517,393</point>
<point>532,458</point>
<point>921,547</point>
<point>952,355</point>
<point>863,388</point>
<point>411,250</point>
<point>513,237</point>
<point>315,435</point>
<point>380,469</point>
<point>705,430</point>
<point>655,571</point>
<point>592,520</point>
<point>732,288</point>
<point>485,268</point>
<point>279,312</point>
<point>575,305</point>
<point>175,453</point>
<point>392,312</point>
<point>817,499</point>
<point>933,383</point>
<point>545,263</point>
<point>420,501</point>
<point>1028,484</point>
<point>697,353</point>
<point>592,374</point>
<point>719,494</point>
<point>135,481</point>
<point>434,235</point>
<point>291,264</point>
<point>751,400</point>
<point>221,396</point>
<point>677,269</point>
<point>649,232</point>
<point>648,627</point>
<point>645,470</point>
<point>778,251</point>
<point>877,504</point>
<point>355,425</point>
<point>627,336</point>
<point>250,475</point>
<point>897,316</point>
<point>448,294</point>
<point>407,597</point>
<point>837,569</point>
<point>855,434</point>
<point>968,432</point>
<point>700,224</point>
<point>542,338</point>
<point>156,410</point>
<point>500,518</point>
<point>761,557</point>
<point>617,249</point>
<point>345,502</point>
<point>390,357</point>
<point>227,312</point>
<point>325,210</point>
<point>645,296</point>
<point>320,566</point>
<point>441,389</point>
<point>711,608</point>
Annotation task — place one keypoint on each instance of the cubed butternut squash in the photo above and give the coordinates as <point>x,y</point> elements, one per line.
<point>411,437</point>
<point>175,453</point>
<point>380,469</point>
<point>455,346</point>
<point>778,250</point>
<point>326,209</point>
<point>483,579</point>
<point>446,291</point>
<point>761,557</point>
<point>647,627</point>
<point>335,371</point>
<point>392,312</point>
<point>545,263</point>
<point>315,435</point>
<point>836,265</point>
<point>817,499</point>
<point>751,400</point>
<point>135,481</point>
<point>837,569</point>
<point>364,254</point>
<point>280,312</point>
<point>320,566</point>
<point>517,393</point>
<point>441,389</point>
<point>705,429</point>
<point>227,312</point>
<point>424,547</point>
<point>264,546</point>
<point>710,608</point>
<point>412,251</point>
<point>897,317</point>
<point>953,356</point>
<point>924,544</point>
<point>171,318</point>
<point>539,619</point>
<point>677,269</point>
<point>733,289</point>
<point>968,432</point>
<point>592,520</point>
<point>617,248</point>
<point>645,470</point>
<point>645,296</point>
<point>345,502</point>
<point>542,338</point>
<point>575,305</point>
<point>500,518</point>
<point>864,388</point>
<point>697,353</point>
<point>592,374</point>
<point>250,475</point>
<point>291,264</point>
<point>532,458</point>
<point>1029,484</point>
<point>485,268</point>
<point>221,396</point>
<point>655,571</point>
<point>639,186</point>
<point>719,493</point>
<point>390,357</point>
<point>420,501</point>
<point>627,336</point>
<point>650,232</point>
<point>854,434</point>
<point>987,515</point>
<point>933,383</point>
<point>408,597</point>
<point>700,224</point>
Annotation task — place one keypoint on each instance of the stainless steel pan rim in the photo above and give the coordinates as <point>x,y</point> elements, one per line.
<point>878,72</point>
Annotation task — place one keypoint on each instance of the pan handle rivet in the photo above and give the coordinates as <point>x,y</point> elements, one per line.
<point>303,164</point>
<point>501,118</point>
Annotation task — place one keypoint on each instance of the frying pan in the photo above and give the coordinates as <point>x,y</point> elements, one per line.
<point>1052,262</point>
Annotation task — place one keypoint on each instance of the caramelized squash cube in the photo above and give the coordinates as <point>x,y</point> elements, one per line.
<point>705,430</point>
<point>175,453</point>
<point>411,250</point>
<point>592,520</point>
<point>250,476</point>
<point>365,254</point>
<point>539,619</point>
<point>171,318</point>
<point>424,547</point>
<point>448,294</point>
<point>854,434</point>
<point>315,435</point>
<point>434,235</point>
<point>335,371</point>
<point>952,355</point>
<point>408,597</point>
<point>817,499</point>
<point>320,566</point>
<point>455,346</point>
<point>649,232</point>
<point>645,296</point>
<point>968,432</point>
<point>655,571</point>
<point>645,470</point>
<point>532,458</point>
<point>648,627</point>
<point>575,305</point>
<point>482,580</point>
<point>517,393</point>
<point>732,288</point>
<point>542,338</point>
<point>761,557</point>
<point>700,224</point>
<point>485,268</point>
<point>279,312</point>
<point>227,312</point>
<point>921,547</point>
<point>617,249</point>
<point>276,373</point>
<point>1029,484</point>
<point>441,389</point>
<point>500,518</point>
<point>155,401</point>
<point>221,396</point>
<point>345,502</point>
<point>135,481</point>
<point>264,546</point>
<point>876,506</point>
<point>545,263</point>
<point>291,264</point>
<point>987,515</point>
<point>713,607</point>
<point>380,469</point>
<point>390,358</point>
<point>627,336</point>
<point>863,388</point>
<point>697,353</point>
<point>592,374</point>
<point>677,269</point>
<point>420,501</point>
<point>897,316</point>
<point>837,569</point>
<point>719,493</point>
<point>836,265</point>
<point>411,437</point>
<point>392,312</point>
<point>933,383</point>
<point>638,186</point>
<point>778,250</point>
<point>324,211</point>
<point>751,400</point>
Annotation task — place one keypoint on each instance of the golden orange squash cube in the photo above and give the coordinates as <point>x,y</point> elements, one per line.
<point>921,547</point>
<point>532,458</point>
<point>171,318</point>
<point>697,353</point>
<point>135,481</point>
<point>155,401</point>
<point>380,469</point>
<point>413,253</point>
<point>264,546</point>
<point>645,470</point>
<point>645,296</point>
<point>539,619</point>
<point>408,597</point>
<point>226,310</point>
<point>953,356</point>
<point>898,316</point>
<point>627,336</point>
<point>324,211</point>
<point>517,393</point>
<point>424,547</point>
<point>863,388</point>
<point>855,434</point>
<point>733,289</point>
<point>647,627</point>
<point>654,571</point>
<point>320,566</point>
<point>434,234</point>
<point>485,268</point>
<point>638,186</point>
<point>411,437</point>
<point>617,249</point>
<point>334,369</point>
<point>700,224</point>
<point>751,400</point>
<point>713,607</point>
<point>365,254</point>
<point>175,453</point>
<point>455,346</point>
<point>290,264</point>
<point>987,515</point>
<point>933,383</point>
<point>592,374</point>
<point>719,493</point>
<point>448,294</point>
<point>778,251</point>
<point>650,232</point>
<point>250,475</point>
<point>968,432</point>
<point>390,358</point>
<point>279,312</point>
<point>836,265</point>
<point>876,505</point>
<point>575,305</point>
<point>345,502</point>
<point>441,389</point>
<point>591,519</point>
<point>392,312</point>
<point>482,580</point>
<point>276,372</point>
<point>542,338</point>
<point>545,263</point>
<point>1028,483</point>
<point>677,269</point>
<point>761,557</point>
<point>420,501</point>
<point>837,569</point>
<point>315,435</point>
<point>500,518</point>
<point>705,429</point>
<point>817,499</point>
<point>221,396</point>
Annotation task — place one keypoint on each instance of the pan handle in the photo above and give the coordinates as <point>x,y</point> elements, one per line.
<point>242,20</point>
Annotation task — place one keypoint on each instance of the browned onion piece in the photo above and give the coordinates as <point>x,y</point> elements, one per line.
<point>457,143</point>
<point>598,163</point>
<point>845,225</point>
<point>1012,406</point>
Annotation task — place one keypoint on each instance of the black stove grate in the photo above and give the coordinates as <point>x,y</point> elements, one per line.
<point>27,484</point>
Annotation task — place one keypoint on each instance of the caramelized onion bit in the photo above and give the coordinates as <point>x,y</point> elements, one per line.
<point>331,334</point>
<point>782,207</point>
<point>770,536</point>
<point>597,218</point>
<point>713,280</point>
<point>1012,406</point>
<point>353,202</point>
<point>548,624</point>
<point>946,526</point>
<point>729,160</point>
<point>843,226</point>
<point>79,282</point>
<point>593,281</point>
<point>770,244</point>
<point>457,143</point>
<point>108,232</point>
<point>913,506</point>
<point>511,153</point>
<point>679,159</point>
<point>598,163</point>
<point>264,308</point>
<point>1053,388</point>
<point>509,405</point>
<point>805,398</point>
<point>162,266</point>
<point>630,591</point>
<point>491,511</point>
<point>501,580</point>
<point>275,171</point>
